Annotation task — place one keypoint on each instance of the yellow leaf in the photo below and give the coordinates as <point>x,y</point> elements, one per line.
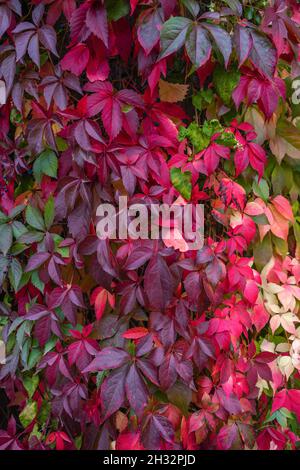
<point>55,128</point>
<point>172,92</point>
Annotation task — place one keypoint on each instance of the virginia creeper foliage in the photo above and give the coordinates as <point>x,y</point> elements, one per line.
<point>142,344</point>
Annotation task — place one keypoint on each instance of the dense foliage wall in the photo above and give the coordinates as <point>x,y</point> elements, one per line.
<point>139,344</point>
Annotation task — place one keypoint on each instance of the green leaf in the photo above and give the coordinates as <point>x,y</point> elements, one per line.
<point>49,212</point>
<point>116,9</point>
<point>192,6</point>
<point>61,144</point>
<point>182,182</point>
<point>34,218</point>
<point>288,132</point>
<point>50,344</point>
<point>212,127</point>
<point>202,99</point>
<point>16,211</point>
<point>36,433</point>
<point>18,229</point>
<point>23,331</point>
<point>282,178</point>
<point>24,280</point>
<point>15,273</point>
<point>33,358</point>
<point>181,396</point>
<point>260,219</point>
<point>261,189</point>
<point>6,238</point>
<point>296,229</point>
<point>31,383</point>
<point>17,248</point>
<point>64,251</point>
<point>3,267</point>
<point>173,34</point>
<point>45,164</point>
<point>235,6</point>
<point>100,377</point>
<point>262,252</point>
<point>78,441</point>
<point>196,136</point>
<point>29,413</point>
<point>281,246</point>
<point>3,218</point>
<point>35,279</point>
<point>225,81</point>
<point>44,412</point>
<point>31,236</point>
<point>227,139</point>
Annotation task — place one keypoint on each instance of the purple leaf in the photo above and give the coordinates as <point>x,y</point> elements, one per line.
<point>243,43</point>
<point>33,49</point>
<point>108,358</point>
<point>8,70</point>
<point>47,36</point>
<point>36,260</point>
<point>167,372</point>
<point>263,53</point>
<point>148,31</point>
<point>198,46</point>
<point>21,43</point>
<point>96,21</point>
<point>113,392</point>
<point>173,35</point>
<point>222,40</point>
<point>226,436</point>
<point>37,13</point>
<point>5,19</point>
<point>136,390</point>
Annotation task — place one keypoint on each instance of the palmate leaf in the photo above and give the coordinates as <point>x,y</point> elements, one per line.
<point>136,343</point>
<point>28,35</point>
<point>198,38</point>
<point>201,37</point>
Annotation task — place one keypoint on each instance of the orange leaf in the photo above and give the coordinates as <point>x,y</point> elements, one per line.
<point>283,207</point>
<point>135,333</point>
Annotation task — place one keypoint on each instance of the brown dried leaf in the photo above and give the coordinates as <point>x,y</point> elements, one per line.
<point>172,92</point>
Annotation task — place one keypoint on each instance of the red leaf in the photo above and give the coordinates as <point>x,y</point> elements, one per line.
<point>76,59</point>
<point>135,333</point>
